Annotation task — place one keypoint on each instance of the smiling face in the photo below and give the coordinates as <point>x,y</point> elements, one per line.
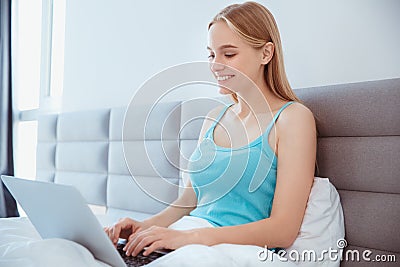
<point>230,57</point>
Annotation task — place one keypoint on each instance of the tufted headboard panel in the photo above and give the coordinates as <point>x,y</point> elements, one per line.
<point>85,149</point>
<point>69,152</point>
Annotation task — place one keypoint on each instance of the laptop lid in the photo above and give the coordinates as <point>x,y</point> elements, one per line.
<point>60,211</point>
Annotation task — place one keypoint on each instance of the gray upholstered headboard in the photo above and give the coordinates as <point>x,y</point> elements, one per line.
<point>358,149</point>
<point>85,149</point>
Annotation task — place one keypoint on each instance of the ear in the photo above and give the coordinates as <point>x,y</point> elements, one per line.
<point>267,53</point>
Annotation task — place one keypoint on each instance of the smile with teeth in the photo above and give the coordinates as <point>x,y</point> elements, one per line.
<point>224,78</point>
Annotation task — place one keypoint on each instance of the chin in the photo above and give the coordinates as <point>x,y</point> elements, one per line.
<point>224,91</point>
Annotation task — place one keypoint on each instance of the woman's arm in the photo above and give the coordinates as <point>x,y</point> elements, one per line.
<point>296,133</point>
<point>179,208</point>
<point>125,227</point>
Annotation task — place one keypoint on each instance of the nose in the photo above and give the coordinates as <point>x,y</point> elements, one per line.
<point>216,66</point>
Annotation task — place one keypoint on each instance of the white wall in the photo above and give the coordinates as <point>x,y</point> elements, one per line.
<point>112,47</point>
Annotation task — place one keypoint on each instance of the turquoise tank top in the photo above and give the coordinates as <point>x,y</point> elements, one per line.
<point>234,185</point>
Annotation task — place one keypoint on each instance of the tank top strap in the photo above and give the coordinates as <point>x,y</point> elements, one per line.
<point>276,117</point>
<point>211,129</point>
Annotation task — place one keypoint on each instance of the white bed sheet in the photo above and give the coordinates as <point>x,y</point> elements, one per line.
<point>21,245</point>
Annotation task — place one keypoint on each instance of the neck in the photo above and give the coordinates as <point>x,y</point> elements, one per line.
<point>256,99</point>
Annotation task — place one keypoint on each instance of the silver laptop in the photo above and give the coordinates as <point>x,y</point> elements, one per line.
<point>60,211</point>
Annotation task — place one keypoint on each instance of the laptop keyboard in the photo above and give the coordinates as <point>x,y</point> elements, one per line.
<point>140,259</point>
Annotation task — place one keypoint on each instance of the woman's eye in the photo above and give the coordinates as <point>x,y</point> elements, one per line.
<point>229,55</point>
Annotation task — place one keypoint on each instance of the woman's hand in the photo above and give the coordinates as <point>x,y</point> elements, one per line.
<point>124,228</point>
<point>156,237</point>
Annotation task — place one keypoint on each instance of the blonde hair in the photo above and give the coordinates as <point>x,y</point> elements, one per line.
<point>255,24</point>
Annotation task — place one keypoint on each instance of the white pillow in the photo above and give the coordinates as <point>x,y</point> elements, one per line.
<point>322,227</point>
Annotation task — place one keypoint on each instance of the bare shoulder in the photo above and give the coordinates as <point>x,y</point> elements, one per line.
<point>296,117</point>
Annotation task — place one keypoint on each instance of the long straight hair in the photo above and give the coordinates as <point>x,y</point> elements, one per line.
<point>255,24</point>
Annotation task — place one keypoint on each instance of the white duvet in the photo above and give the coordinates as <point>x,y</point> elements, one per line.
<point>21,246</point>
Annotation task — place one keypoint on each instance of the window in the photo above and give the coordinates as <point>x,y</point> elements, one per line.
<point>26,47</point>
<point>37,40</point>
<point>38,68</point>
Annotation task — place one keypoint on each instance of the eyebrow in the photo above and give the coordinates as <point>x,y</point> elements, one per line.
<point>224,46</point>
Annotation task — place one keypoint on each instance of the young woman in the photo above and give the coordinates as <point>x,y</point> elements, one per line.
<point>265,204</point>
